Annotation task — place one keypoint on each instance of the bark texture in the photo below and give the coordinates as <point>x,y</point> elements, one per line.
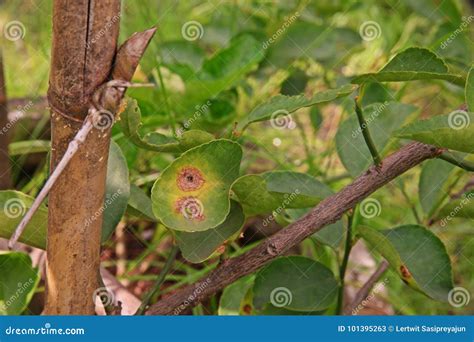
<point>5,174</point>
<point>326,212</point>
<point>84,44</point>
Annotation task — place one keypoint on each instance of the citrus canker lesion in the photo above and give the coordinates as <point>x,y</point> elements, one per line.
<point>190,179</point>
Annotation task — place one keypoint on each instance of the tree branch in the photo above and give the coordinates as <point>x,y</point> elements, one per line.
<point>326,212</point>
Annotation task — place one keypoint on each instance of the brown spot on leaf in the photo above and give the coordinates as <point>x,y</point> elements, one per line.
<point>220,249</point>
<point>190,179</point>
<point>190,207</point>
<point>247,309</point>
<point>404,271</point>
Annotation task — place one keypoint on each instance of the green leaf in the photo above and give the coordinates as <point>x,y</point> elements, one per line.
<point>221,72</point>
<point>277,190</point>
<point>433,184</point>
<point>417,255</point>
<point>14,205</point>
<point>295,283</point>
<point>182,57</point>
<point>410,65</point>
<point>457,208</point>
<point>454,131</point>
<point>18,282</point>
<point>323,43</point>
<point>29,146</point>
<point>197,247</point>
<point>117,191</point>
<point>130,121</point>
<point>382,120</point>
<point>139,204</point>
<point>283,105</point>
<point>470,90</point>
<point>230,303</point>
<point>193,193</point>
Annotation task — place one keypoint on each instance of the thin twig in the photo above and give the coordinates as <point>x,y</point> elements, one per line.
<point>159,280</point>
<point>456,160</point>
<point>366,288</point>
<point>345,260</point>
<point>366,133</point>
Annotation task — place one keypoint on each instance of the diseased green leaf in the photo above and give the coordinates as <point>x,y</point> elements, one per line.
<point>434,183</point>
<point>281,105</point>
<point>139,204</point>
<point>382,120</point>
<point>230,303</point>
<point>454,131</point>
<point>193,193</point>
<point>197,247</point>
<point>295,283</point>
<point>277,190</point>
<point>13,206</point>
<point>470,90</point>
<point>18,282</point>
<point>417,255</point>
<point>117,191</point>
<point>153,141</point>
<point>410,65</point>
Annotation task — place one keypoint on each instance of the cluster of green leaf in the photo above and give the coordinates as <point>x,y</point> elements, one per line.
<point>208,139</point>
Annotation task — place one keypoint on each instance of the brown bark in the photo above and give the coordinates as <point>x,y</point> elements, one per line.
<point>326,212</point>
<point>84,44</point>
<point>84,50</point>
<point>5,174</point>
